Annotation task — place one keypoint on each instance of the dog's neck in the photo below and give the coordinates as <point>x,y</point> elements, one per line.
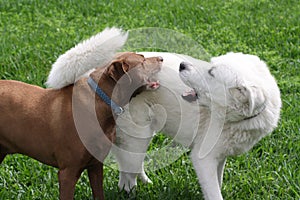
<point>119,91</point>
<point>110,87</point>
<point>94,86</point>
<point>106,84</point>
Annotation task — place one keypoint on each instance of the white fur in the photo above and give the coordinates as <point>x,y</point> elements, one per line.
<point>242,87</point>
<point>93,52</point>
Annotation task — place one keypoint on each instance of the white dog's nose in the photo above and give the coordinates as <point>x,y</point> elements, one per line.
<point>182,66</point>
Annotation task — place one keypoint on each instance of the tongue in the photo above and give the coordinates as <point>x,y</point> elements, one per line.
<point>190,96</point>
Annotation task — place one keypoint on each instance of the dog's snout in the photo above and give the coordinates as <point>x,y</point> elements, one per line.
<point>182,66</point>
<point>160,59</point>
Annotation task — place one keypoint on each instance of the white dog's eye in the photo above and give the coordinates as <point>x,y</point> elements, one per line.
<point>210,71</point>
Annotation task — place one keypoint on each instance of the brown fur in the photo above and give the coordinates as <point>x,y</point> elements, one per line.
<point>40,122</point>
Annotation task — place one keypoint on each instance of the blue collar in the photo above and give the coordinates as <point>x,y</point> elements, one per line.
<point>117,109</point>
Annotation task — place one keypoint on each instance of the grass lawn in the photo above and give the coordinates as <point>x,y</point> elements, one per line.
<point>34,33</point>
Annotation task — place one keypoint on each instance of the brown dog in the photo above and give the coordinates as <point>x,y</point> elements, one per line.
<point>40,122</point>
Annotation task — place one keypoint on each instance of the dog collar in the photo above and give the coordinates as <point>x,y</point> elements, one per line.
<point>118,110</point>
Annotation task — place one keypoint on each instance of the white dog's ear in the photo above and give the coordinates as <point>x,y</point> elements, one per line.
<point>251,98</point>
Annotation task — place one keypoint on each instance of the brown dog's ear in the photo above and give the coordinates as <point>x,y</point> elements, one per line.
<point>117,69</point>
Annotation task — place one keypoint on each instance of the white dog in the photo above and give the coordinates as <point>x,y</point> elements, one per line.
<point>238,103</point>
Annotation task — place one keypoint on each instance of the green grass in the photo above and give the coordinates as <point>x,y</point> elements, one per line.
<point>34,33</point>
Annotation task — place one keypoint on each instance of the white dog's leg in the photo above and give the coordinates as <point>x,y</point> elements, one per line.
<point>133,138</point>
<point>221,166</point>
<point>207,172</point>
<point>130,153</point>
<point>143,176</point>
<point>131,166</point>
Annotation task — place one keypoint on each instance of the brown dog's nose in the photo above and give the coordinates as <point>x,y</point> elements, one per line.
<point>160,58</point>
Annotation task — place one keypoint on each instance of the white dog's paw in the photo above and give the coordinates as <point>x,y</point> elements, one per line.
<point>144,178</point>
<point>127,181</point>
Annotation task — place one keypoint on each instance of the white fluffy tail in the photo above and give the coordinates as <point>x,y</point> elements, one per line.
<point>89,54</point>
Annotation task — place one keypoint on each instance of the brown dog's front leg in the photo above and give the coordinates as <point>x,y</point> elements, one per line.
<point>95,174</point>
<point>67,180</point>
<point>2,156</point>
<point>2,153</point>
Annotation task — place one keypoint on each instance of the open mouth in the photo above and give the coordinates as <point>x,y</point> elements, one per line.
<point>190,95</point>
<point>149,85</point>
<point>153,85</point>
